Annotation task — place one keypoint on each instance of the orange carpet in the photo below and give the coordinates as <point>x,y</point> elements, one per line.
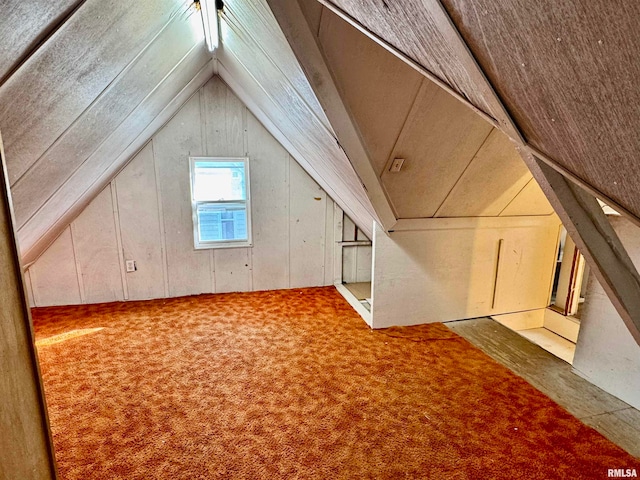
<point>292,385</point>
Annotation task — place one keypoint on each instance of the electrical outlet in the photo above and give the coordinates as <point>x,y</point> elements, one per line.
<point>131,265</point>
<point>396,165</point>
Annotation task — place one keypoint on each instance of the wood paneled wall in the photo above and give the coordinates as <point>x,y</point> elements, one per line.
<point>145,215</point>
<point>356,254</point>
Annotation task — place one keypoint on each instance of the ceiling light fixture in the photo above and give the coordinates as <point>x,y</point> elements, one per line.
<point>209,12</point>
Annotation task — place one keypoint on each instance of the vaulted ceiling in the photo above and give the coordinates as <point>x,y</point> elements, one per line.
<point>85,83</point>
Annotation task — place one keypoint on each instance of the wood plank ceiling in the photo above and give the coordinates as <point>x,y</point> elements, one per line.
<point>82,81</point>
<point>85,83</point>
<point>568,75</point>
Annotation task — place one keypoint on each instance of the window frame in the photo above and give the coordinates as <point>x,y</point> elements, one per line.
<point>212,244</point>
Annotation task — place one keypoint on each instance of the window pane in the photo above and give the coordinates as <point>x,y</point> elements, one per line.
<point>222,222</point>
<point>219,181</point>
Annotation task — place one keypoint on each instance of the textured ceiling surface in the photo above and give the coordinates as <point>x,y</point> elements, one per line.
<point>562,75</point>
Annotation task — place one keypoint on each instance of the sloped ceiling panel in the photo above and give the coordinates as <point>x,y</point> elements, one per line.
<point>568,74</point>
<point>256,60</point>
<point>455,163</point>
<point>114,153</point>
<point>565,73</point>
<point>79,103</point>
<point>110,108</point>
<point>24,25</point>
<point>418,29</point>
<point>439,141</point>
<point>69,71</point>
<point>377,88</point>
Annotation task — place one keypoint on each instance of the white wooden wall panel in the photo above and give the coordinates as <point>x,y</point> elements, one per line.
<point>53,276</point>
<point>232,269</point>
<point>349,264</point>
<point>363,264</point>
<point>432,276</point>
<point>140,226</point>
<point>270,206</point>
<point>338,221</point>
<point>27,284</point>
<point>527,261</point>
<point>447,270</point>
<point>356,263</point>
<point>95,245</point>
<point>189,270</point>
<point>154,212</point>
<point>224,118</point>
<point>330,240</point>
<point>224,134</point>
<point>306,250</point>
<point>349,230</point>
<point>606,353</point>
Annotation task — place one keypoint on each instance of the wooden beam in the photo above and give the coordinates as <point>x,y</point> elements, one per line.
<point>305,47</point>
<point>591,231</point>
<point>578,181</point>
<point>238,80</point>
<point>26,448</point>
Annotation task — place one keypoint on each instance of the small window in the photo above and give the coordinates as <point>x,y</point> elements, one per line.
<point>220,202</point>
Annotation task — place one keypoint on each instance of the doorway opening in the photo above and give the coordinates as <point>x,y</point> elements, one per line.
<point>556,327</point>
<point>354,270</point>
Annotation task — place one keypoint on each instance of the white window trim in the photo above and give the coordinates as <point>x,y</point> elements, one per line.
<point>198,245</point>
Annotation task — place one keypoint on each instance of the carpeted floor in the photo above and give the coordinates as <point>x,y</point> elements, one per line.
<point>292,384</point>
